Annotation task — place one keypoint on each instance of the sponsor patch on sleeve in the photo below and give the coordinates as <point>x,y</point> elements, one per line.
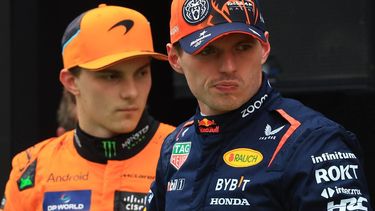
<point>28,177</point>
<point>2,204</point>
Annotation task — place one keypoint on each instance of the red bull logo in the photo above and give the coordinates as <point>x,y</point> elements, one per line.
<point>208,126</point>
<point>206,122</point>
<point>232,11</point>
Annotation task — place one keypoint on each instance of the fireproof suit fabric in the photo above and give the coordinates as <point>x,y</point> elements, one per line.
<point>53,176</point>
<point>272,153</point>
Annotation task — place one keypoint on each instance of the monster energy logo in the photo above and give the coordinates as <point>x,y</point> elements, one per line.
<point>109,149</point>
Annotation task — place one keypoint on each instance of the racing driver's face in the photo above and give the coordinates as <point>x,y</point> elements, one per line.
<point>225,74</point>
<point>111,101</point>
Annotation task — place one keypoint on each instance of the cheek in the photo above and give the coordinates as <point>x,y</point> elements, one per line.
<point>254,63</point>
<point>145,91</point>
<point>96,99</point>
<point>98,95</point>
<point>195,82</point>
<point>148,84</point>
<point>144,87</point>
<point>196,73</point>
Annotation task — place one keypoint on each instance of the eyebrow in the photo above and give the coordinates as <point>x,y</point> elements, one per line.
<point>111,70</point>
<point>145,65</point>
<point>247,39</point>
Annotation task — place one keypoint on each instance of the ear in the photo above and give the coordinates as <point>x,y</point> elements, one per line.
<point>60,130</point>
<point>174,58</point>
<point>69,81</point>
<point>266,48</point>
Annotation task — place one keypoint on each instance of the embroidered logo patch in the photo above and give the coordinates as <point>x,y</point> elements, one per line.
<point>208,126</point>
<point>27,179</point>
<point>67,200</point>
<point>109,149</point>
<point>180,153</point>
<point>242,157</point>
<point>195,11</point>
<point>130,201</point>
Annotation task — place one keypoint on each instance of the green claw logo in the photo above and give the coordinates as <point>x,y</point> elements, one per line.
<point>109,149</point>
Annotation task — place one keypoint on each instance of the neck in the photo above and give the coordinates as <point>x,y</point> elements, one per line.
<point>119,147</point>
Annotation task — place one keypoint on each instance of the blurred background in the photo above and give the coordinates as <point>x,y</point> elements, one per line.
<point>322,53</point>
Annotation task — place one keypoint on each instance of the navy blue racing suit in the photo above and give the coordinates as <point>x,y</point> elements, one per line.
<point>272,153</point>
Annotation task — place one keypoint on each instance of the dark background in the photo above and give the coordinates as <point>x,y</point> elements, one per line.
<point>322,54</point>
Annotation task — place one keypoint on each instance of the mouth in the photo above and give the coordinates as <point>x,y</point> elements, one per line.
<point>128,109</point>
<point>226,86</point>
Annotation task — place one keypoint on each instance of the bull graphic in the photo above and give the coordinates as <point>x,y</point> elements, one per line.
<point>232,11</point>
<point>213,12</point>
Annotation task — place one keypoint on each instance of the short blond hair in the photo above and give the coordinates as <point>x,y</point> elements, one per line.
<point>66,113</point>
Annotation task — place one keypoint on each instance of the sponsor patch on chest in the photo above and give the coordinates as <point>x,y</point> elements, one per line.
<point>242,157</point>
<point>130,201</point>
<point>67,200</point>
<point>180,153</point>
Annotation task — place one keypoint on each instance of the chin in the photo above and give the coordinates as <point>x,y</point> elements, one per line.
<point>227,103</point>
<point>123,127</point>
<point>128,128</point>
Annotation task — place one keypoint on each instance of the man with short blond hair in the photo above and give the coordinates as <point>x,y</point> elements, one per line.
<point>108,162</point>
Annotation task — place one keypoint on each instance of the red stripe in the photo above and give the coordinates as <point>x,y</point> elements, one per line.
<point>294,124</point>
<point>183,127</point>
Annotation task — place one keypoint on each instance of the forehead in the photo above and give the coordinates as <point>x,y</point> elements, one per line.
<point>131,64</point>
<point>233,38</point>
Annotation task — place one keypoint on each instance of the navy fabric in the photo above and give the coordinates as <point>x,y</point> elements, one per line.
<point>319,167</point>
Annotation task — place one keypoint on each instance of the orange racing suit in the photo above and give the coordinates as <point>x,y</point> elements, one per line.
<point>65,173</point>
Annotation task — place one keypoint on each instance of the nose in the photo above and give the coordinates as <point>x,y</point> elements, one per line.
<point>228,62</point>
<point>128,89</point>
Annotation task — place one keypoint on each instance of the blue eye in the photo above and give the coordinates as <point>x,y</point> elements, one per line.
<point>207,51</point>
<point>110,76</point>
<point>245,46</point>
<point>144,71</point>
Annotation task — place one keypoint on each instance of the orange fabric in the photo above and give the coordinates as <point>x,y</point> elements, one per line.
<point>61,168</point>
<point>106,35</point>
